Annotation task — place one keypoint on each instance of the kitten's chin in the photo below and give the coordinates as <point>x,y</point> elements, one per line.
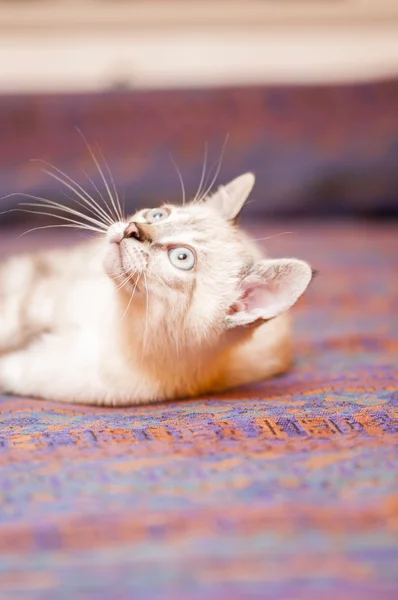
<point>122,265</point>
<point>113,261</point>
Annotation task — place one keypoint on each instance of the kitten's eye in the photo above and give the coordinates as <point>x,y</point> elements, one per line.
<point>182,258</point>
<point>156,214</point>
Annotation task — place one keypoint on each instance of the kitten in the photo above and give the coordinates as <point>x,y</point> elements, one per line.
<point>173,302</point>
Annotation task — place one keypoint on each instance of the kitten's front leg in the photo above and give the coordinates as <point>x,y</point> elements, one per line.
<point>60,368</point>
<point>25,309</point>
<point>19,324</point>
<point>12,330</point>
<point>46,370</point>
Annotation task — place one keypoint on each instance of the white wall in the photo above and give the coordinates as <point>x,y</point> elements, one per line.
<point>87,45</point>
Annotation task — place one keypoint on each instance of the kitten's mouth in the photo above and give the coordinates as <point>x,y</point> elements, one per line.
<point>133,258</point>
<point>125,262</point>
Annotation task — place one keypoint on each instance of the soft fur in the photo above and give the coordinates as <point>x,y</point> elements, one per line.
<point>115,322</point>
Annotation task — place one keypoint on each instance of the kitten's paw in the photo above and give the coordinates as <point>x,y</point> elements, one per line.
<point>11,372</point>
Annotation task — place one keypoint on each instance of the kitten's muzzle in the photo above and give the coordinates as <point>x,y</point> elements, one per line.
<point>137,232</point>
<point>132,231</point>
<point>121,231</point>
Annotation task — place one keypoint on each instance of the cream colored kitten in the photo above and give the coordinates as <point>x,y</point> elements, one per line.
<point>174,302</point>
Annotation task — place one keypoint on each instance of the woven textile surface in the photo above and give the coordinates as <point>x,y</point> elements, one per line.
<point>285,489</point>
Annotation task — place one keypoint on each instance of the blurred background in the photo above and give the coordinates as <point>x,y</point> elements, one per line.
<point>286,489</point>
<point>304,93</point>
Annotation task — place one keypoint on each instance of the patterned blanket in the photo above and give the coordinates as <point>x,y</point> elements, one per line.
<point>285,489</point>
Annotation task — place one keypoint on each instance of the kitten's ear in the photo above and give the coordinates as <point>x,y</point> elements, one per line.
<point>229,199</point>
<point>271,287</point>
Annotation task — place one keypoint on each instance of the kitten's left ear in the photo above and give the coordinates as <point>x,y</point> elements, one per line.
<point>229,199</point>
<point>270,288</point>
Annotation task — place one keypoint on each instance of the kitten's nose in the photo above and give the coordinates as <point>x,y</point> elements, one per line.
<point>138,232</point>
<point>132,231</point>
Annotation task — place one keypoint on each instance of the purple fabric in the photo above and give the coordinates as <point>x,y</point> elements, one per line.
<point>286,489</point>
<point>315,149</point>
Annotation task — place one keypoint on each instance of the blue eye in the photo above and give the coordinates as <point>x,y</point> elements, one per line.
<point>182,258</point>
<point>156,214</point>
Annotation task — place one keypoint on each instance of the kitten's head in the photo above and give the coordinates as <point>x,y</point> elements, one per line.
<point>196,272</point>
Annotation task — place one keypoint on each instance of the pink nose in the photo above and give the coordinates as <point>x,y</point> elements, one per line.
<point>132,231</point>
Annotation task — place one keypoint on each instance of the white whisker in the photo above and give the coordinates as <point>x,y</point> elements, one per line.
<point>180,178</point>
<point>88,200</point>
<point>124,204</point>
<point>160,281</point>
<point>120,214</point>
<point>146,314</point>
<point>69,186</point>
<point>46,203</point>
<point>99,193</point>
<point>52,227</point>
<point>197,195</point>
<point>131,298</point>
<point>219,163</point>
<point>66,184</point>
<point>100,172</point>
<point>125,281</point>
<point>60,217</point>
<point>270,237</point>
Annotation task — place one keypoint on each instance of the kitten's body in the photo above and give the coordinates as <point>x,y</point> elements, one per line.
<point>141,329</point>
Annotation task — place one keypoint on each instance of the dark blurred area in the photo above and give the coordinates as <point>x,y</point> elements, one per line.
<point>315,150</point>
<point>320,131</point>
